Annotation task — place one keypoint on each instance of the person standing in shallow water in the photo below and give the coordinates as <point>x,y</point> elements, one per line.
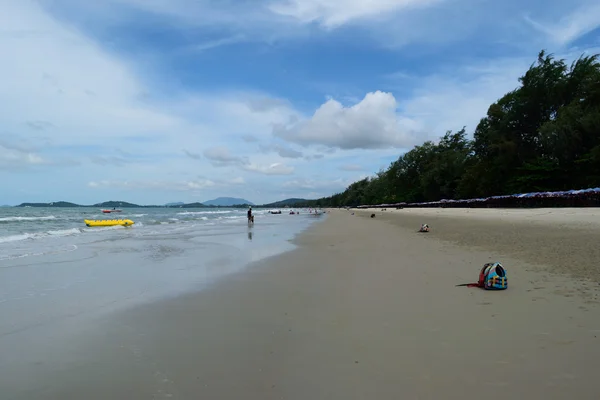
<point>250,216</point>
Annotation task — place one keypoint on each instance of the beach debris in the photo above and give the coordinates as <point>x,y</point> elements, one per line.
<point>424,228</point>
<point>372,215</point>
<point>491,277</point>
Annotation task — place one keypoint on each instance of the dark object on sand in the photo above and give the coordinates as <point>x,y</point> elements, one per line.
<point>372,215</point>
<point>491,277</point>
<point>424,228</point>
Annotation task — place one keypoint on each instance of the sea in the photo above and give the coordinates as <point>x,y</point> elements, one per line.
<point>58,276</point>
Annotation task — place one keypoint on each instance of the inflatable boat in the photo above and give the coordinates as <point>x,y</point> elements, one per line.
<point>108,222</point>
<point>110,211</point>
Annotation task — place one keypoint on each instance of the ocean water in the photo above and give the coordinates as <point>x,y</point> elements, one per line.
<point>26,232</point>
<point>56,273</point>
<point>60,281</point>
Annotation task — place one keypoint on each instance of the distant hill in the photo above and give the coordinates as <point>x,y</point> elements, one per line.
<point>227,202</point>
<point>286,202</point>
<point>192,205</point>
<point>53,204</point>
<point>116,204</point>
<point>219,202</point>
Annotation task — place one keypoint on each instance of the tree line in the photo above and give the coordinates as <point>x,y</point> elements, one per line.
<point>542,136</point>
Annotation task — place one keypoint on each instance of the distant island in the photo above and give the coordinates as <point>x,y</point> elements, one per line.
<point>230,202</point>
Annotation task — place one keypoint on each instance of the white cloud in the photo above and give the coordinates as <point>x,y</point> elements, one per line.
<point>152,185</point>
<point>236,181</point>
<point>57,76</point>
<point>334,13</point>
<point>16,157</point>
<point>282,151</point>
<point>389,22</point>
<point>580,20</point>
<point>213,44</point>
<point>221,157</point>
<point>272,169</point>
<point>13,157</point>
<point>63,89</point>
<point>312,184</point>
<point>457,96</point>
<point>370,124</point>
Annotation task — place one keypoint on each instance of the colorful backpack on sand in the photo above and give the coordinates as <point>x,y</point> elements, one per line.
<point>491,277</point>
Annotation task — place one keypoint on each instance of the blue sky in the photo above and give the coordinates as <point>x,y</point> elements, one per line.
<point>153,101</point>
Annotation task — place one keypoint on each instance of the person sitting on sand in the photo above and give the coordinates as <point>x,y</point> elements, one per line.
<point>424,228</point>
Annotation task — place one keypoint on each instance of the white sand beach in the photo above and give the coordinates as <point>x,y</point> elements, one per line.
<point>366,308</point>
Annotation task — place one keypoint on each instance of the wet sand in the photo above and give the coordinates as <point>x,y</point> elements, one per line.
<point>362,309</point>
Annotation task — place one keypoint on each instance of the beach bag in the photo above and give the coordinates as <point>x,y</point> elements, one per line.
<point>491,277</point>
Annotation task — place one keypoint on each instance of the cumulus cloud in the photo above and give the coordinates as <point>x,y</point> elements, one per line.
<point>370,124</point>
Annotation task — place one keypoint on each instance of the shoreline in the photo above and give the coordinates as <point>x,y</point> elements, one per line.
<point>362,308</point>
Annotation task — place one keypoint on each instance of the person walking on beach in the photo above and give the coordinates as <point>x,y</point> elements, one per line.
<point>250,216</point>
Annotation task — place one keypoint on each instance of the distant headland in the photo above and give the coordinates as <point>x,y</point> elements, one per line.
<point>220,202</point>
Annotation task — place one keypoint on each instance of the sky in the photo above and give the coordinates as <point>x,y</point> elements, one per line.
<point>156,101</point>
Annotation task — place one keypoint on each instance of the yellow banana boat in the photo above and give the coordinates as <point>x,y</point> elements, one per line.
<point>108,222</point>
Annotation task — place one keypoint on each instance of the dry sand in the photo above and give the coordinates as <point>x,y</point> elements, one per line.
<point>563,240</point>
<point>364,309</point>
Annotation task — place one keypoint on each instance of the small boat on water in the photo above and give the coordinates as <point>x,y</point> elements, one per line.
<point>108,222</point>
<point>111,211</point>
